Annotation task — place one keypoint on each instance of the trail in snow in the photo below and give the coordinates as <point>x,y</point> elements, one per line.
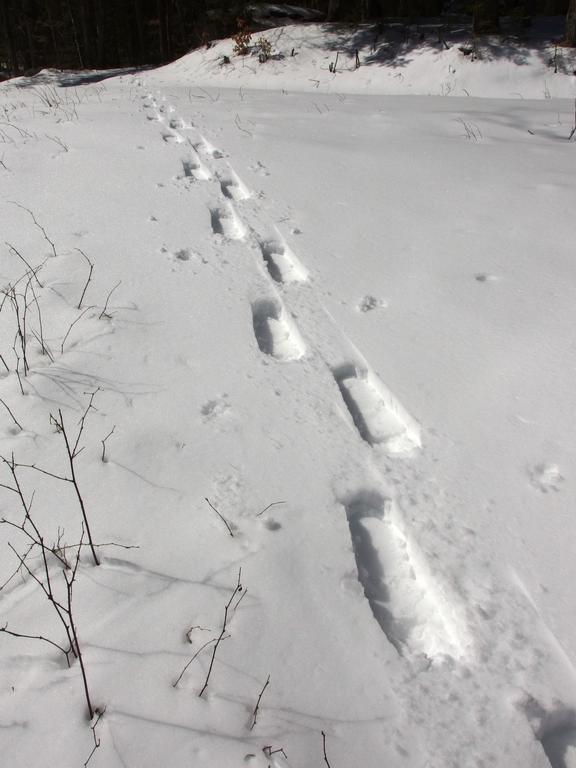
<point>418,616</point>
<point>379,611</point>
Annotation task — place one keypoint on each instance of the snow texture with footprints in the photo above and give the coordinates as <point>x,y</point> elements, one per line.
<point>393,484</point>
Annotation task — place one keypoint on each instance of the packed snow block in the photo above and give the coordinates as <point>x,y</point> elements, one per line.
<point>417,616</point>
<point>282,265</point>
<point>225,221</point>
<point>379,417</point>
<point>276,333</point>
<point>192,167</point>
<point>233,187</point>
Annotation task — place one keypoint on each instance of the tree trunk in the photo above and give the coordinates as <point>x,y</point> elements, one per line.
<point>5,15</point>
<point>75,36</point>
<point>332,10</point>
<point>139,43</point>
<point>163,30</point>
<point>485,17</point>
<point>56,60</point>
<point>571,24</point>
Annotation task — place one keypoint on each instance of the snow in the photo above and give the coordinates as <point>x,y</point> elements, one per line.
<point>337,357</point>
<point>427,59</point>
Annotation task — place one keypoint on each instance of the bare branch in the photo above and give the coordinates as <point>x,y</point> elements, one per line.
<point>91,269</point>
<point>103,313</point>
<point>257,707</point>
<point>198,652</point>
<point>45,472</point>
<point>40,227</point>
<point>273,504</point>
<point>236,591</point>
<point>104,443</point>
<point>32,637</point>
<point>324,749</point>
<point>14,419</point>
<point>99,715</point>
<point>32,269</point>
<point>220,516</point>
<point>72,453</point>
<point>80,316</point>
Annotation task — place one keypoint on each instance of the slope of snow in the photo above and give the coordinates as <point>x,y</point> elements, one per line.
<point>428,61</point>
<point>335,367</point>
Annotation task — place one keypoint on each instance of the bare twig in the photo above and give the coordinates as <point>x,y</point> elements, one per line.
<point>93,727</point>
<point>58,141</point>
<point>198,652</point>
<point>324,749</point>
<point>40,339</point>
<point>40,227</point>
<point>103,313</point>
<point>69,579</point>
<point>72,452</point>
<point>237,122</point>
<point>14,419</point>
<point>257,707</point>
<point>33,270</point>
<point>220,516</point>
<point>80,316</point>
<point>91,269</point>
<point>17,371</point>
<point>273,504</point>
<point>104,443</point>
<point>198,627</point>
<point>32,637</point>
<point>222,635</point>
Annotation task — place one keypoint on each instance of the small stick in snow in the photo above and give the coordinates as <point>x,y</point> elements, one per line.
<point>273,504</point>
<point>14,419</point>
<point>96,739</point>
<point>32,637</point>
<point>80,316</point>
<point>223,634</point>
<point>40,227</point>
<point>40,339</point>
<point>103,313</point>
<point>33,270</point>
<point>17,370</point>
<point>72,451</point>
<point>58,141</point>
<point>198,652</point>
<point>91,265</point>
<point>240,128</point>
<point>324,749</point>
<point>198,627</point>
<point>257,707</point>
<point>104,444</point>
<point>220,516</point>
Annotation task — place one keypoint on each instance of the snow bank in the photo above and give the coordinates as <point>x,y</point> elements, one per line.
<point>401,60</point>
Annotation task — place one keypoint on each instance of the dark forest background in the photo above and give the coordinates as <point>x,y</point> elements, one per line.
<point>78,34</point>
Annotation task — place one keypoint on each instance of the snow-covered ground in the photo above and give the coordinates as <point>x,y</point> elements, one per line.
<point>338,358</point>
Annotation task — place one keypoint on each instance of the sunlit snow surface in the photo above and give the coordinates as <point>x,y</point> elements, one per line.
<point>343,320</point>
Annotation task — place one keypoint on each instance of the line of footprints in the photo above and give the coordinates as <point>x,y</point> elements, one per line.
<point>415,614</point>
